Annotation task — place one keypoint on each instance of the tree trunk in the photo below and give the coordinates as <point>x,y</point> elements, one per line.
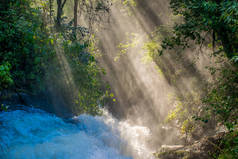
<point>227,44</point>
<point>51,10</point>
<point>59,14</point>
<point>75,18</point>
<point>60,6</point>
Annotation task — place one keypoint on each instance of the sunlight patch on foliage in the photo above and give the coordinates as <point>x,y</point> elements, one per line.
<point>132,40</point>
<point>151,48</point>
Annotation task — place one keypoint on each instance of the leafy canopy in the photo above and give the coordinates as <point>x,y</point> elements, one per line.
<point>217,19</point>
<point>25,45</point>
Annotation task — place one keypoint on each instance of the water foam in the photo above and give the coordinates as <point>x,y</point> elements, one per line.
<point>35,134</point>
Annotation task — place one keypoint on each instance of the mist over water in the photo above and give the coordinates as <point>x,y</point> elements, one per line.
<point>142,92</point>
<point>147,92</point>
<point>35,134</point>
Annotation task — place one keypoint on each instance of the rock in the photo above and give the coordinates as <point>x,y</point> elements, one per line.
<point>201,149</point>
<point>42,101</point>
<point>171,147</point>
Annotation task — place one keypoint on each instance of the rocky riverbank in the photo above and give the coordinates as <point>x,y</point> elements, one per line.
<point>202,149</point>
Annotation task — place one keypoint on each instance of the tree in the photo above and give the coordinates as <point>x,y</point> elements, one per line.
<point>60,6</point>
<point>51,9</point>
<point>76,3</point>
<point>214,22</point>
<point>24,45</point>
<point>204,18</point>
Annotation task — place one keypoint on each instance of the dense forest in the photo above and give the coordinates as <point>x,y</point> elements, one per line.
<point>47,53</point>
<point>214,24</point>
<point>32,42</point>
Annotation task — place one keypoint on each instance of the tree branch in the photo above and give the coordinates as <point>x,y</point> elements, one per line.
<point>63,4</point>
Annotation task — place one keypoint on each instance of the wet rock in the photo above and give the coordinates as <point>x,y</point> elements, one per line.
<point>16,101</point>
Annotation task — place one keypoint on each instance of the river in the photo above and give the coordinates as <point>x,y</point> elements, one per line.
<point>34,134</point>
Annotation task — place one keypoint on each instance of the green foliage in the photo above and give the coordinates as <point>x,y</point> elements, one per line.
<point>183,113</point>
<point>204,22</point>
<point>30,50</point>
<point>131,42</point>
<point>3,107</point>
<point>5,76</point>
<point>151,47</point>
<point>228,147</point>
<point>222,98</point>
<point>214,23</point>
<point>87,75</point>
<point>126,6</point>
<point>129,2</point>
<point>204,18</point>
<point>24,43</point>
<point>80,51</point>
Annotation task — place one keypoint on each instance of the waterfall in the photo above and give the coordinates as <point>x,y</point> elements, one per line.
<point>34,134</point>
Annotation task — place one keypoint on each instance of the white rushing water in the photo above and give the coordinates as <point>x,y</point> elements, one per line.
<point>35,134</point>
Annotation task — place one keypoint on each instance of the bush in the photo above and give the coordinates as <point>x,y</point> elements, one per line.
<point>222,98</point>
<point>5,76</point>
<point>24,43</point>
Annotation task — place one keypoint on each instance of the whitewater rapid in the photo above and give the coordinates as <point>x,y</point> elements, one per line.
<point>35,134</point>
